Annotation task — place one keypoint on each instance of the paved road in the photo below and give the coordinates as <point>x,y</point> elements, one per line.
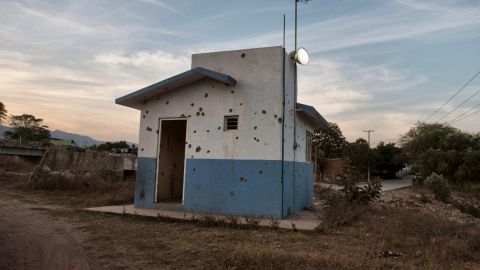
<point>30,239</point>
<point>387,185</point>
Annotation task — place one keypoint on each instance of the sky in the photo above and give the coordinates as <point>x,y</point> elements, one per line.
<point>382,65</point>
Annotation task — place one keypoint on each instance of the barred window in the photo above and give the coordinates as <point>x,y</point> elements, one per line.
<point>308,146</point>
<point>230,122</point>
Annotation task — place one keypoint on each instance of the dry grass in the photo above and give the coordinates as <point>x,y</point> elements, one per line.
<point>126,242</point>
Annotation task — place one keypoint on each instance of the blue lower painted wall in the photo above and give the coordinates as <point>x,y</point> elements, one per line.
<point>145,182</point>
<point>234,187</point>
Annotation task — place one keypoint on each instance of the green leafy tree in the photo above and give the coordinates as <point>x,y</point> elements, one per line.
<point>3,112</point>
<point>387,159</point>
<point>27,128</point>
<point>108,146</point>
<point>442,149</point>
<point>330,141</point>
<point>357,157</point>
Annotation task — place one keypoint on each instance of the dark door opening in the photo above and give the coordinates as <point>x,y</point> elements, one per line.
<point>171,160</point>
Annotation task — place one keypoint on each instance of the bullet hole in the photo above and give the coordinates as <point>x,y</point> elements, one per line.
<point>279,120</point>
<point>232,91</point>
<point>194,131</point>
<point>243,55</point>
<point>236,138</point>
<point>149,129</point>
<point>162,173</point>
<point>191,156</point>
<point>208,151</point>
<point>203,114</point>
<point>255,127</point>
<point>265,144</point>
<point>146,111</point>
<point>241,104</point>
<point>230,110</point>
<point>192,104</point>
<point>206,94</point>
<point>243,179</point>
<point>200,109</point>
<point>208,130</point>
<point>189,115</point>
<point>231,193</point>
<point>189,146</point>
<point>143,116</point>
<point>186,142</point>
<point>194,169</point>
<point>198,113</point>
<point>258,140</point>
<point>219,128</point>
<point>260,172</point>
<point>266,162</point>
<point>157,131</point>
<point>255,113</point>
<point>275,116</point>
<point>255,138</point>
<point>264,112</point>
<point>141,149</point>
<point>198,149</point>
<point>166,102</point>
<point>183,115</point>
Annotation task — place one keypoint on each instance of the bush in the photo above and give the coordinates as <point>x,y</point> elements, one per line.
<point>439,185</point>
<point>366,194</point>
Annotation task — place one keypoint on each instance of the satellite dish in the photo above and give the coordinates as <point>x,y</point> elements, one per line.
<point>301,56</point>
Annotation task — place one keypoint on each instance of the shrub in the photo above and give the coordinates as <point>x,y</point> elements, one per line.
<point>439,185</point>
<point>366,194</point>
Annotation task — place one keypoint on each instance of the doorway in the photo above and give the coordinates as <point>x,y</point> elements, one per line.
<point>171,160</point>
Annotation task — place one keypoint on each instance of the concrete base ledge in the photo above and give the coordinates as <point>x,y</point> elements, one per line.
<point>303,220</point>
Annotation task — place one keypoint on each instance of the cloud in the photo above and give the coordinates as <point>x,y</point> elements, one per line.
<point>162,5</point>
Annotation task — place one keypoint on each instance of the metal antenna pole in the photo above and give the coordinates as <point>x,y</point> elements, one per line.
<point>368,173</point>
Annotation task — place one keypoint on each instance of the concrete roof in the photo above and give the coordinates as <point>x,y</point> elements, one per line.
<point>135,99</point>
<point>310,113</point>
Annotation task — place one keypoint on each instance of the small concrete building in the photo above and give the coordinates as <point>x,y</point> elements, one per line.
<point>219,138</point>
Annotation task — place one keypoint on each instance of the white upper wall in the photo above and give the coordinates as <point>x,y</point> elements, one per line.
<point>256,99</point>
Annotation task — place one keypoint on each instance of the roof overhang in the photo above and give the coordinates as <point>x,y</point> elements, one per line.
<point>312,115</point>
<point>137,98</point>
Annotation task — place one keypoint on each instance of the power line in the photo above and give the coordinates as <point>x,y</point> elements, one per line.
<point>448,100</point>
<point>461,104</point>
<point>464,113</point>
<point>466,116</point>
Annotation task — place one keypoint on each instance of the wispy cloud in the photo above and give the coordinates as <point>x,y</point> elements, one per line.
<point>162,5</point>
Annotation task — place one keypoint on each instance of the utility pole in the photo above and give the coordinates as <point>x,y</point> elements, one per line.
<point>368,153</point>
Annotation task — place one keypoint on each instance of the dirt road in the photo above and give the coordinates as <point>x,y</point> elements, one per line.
<point>30,239</point>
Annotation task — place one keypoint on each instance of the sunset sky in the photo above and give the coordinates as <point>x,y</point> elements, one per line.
<point>380,65</point>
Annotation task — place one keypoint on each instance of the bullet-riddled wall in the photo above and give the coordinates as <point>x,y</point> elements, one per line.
<point>232,171</point>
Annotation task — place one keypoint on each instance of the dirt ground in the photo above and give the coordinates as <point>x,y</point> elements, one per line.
<point>31,240</point>
<point>48,230</point>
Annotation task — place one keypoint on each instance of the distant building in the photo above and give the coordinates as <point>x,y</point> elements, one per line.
<point>211,137</point>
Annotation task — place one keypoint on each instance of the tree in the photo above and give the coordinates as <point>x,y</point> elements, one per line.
<point>442,149</point>
<point>3,112</point>
<point>331,141</point>
<point>387,160</point>
<point>108,146</point>
<point>357,157</point>
<point>27,129</point>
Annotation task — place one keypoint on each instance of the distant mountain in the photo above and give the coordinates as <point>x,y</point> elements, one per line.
<point>80,140</point>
